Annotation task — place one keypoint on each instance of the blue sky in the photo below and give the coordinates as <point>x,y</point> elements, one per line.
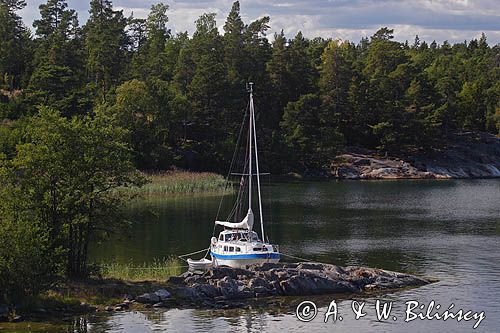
<point>452,20</point>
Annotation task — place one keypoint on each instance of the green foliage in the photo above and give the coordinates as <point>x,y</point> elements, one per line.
<point>57,79</point>
<point>181,97</point>
<point>106,44</point>
<point>151,36</point>
<point>335,82</point>
<point>56,21</point>
<point>14,45</point>
<point>129,95</point>
<point>28,262</point>
<point>64,176</point>
<point>308,133</point>
<point>11,134</point>
<point>28,265</point>
<point>136,110</point>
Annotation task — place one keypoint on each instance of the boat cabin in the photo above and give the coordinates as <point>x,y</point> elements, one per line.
<point>238,235</point>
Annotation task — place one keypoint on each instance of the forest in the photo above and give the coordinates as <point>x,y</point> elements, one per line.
<point>83,107</point>
<point>182,97</point>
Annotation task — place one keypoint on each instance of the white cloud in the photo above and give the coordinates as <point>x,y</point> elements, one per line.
<point>453,20</point>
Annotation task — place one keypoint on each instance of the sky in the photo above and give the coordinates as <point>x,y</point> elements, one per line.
<point>440,20</point>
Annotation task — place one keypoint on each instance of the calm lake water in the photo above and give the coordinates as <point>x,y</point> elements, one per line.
<point>445,229</point>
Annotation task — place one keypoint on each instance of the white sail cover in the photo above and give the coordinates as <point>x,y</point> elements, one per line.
<point>247,222</point>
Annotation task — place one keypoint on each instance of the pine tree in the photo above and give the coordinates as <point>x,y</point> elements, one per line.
<point>55,18</point>
<point>279,77</point>
<point>106,44</point>
<point>311,141</point>
<point>58,74</point>
<point>300,68</point>
<point>335,83</point>
<point>234,55</point>
<point>14,44</point>
<point>150,37</point>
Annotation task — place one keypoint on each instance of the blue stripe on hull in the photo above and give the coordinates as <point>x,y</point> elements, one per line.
<point>246,256</point>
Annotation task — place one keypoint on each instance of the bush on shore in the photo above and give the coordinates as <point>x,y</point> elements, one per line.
<point>28,265</point>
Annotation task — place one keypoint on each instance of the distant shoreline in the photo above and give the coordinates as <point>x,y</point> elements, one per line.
<point>465,156</point>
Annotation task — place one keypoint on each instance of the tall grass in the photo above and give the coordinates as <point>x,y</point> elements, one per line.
<point>182,182</point>
<point>158,270</point>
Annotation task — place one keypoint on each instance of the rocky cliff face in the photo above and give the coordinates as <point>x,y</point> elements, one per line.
<point>469,155</point>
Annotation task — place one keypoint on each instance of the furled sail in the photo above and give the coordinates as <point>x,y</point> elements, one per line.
<point>247,222</point>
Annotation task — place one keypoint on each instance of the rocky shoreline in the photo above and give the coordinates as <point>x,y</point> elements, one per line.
<point>224,287</point>
<point>468,155</point>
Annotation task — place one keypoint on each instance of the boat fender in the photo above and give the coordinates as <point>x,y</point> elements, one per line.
<point>213,240</point>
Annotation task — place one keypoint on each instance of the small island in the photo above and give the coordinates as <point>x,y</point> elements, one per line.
<point>219,288</point>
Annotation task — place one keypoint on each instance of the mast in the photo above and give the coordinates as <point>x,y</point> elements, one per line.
<point>250,88</point>
<point>252,129</point>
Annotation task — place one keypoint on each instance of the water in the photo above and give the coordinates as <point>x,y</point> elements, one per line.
<point>445,229</point>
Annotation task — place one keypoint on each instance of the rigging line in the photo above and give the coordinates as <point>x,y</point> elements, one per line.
<point>270,203</point>
<point>241,191</point>
<point>243,183</point>
<point>236,210</point>
<point>233,158</point>
<point>252,123</point>
<point>230,168</point>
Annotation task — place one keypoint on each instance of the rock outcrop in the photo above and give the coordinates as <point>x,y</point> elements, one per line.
<point>222,284</point>
<point>469,155</point>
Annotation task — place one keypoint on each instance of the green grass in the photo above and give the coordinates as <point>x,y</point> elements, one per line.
<point>69,297</point>
<point>182,182</point>
<point>158,270</point>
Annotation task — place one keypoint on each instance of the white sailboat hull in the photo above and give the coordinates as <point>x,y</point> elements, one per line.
<point>241,253</point>
<point>234,261</point>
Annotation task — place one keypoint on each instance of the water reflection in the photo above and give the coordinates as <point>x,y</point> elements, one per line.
<point>446,229</point>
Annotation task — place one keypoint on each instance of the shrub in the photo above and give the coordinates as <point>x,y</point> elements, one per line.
<point>27,264</point>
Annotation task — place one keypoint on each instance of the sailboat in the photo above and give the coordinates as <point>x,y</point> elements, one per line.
<point>238,244</point>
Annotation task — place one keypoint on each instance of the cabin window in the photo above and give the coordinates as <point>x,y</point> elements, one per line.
<point>257,249</point>
<point>225,248</point>
<point>237,249</point>
<point>221,237</point>
<point>230,237</point>
<point>231,249</point>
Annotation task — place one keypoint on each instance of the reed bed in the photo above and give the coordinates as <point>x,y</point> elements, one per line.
<point>158,270</point>
<point>182,182</point>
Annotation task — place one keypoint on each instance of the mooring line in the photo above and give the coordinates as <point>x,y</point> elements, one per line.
<point>189,254</point>
<point>153,268</point>
<point>298,258</point>
<point>283,254</point>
